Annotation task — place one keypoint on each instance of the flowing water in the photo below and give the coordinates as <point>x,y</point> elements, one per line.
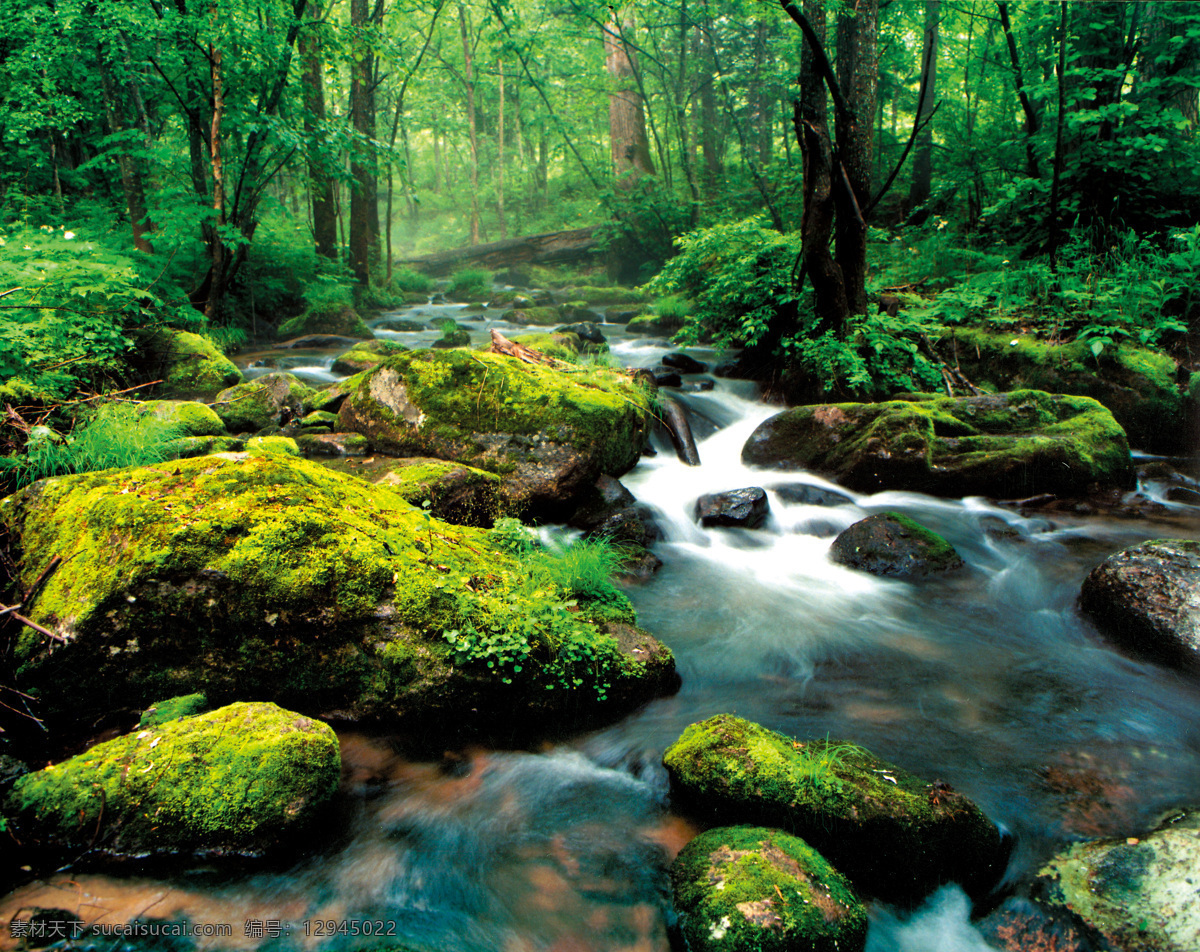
<point>989,680</point>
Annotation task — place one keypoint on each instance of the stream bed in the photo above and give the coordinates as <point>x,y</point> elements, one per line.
<point>989,680</point>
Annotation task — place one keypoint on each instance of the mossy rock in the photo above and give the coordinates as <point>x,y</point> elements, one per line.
<point>401,325</point>
<point>323,442</point>
<point>1137,385</point>
<point>267,576</point>
<point>1137,893</point>
<point>653,324</point>
<point>451,491</point>
<point>190,416</point>
<point>616,294</point>
<point>173,708</point>
<point>273,446</point>
<point>549,433</point>
<point>270,400</point>
<point>562,345</point>
<point>342,320</point>
<point>188,364</point>
<point>364,356</point>
<point>319,418</point>
<point>241,779</point>
<point>751,889</point>
<point>1007,445</point>
<point>891,544</point>
<point>894,835</point>
<point>539,316</point>
<point>189,446</point>
<point>453,335</point>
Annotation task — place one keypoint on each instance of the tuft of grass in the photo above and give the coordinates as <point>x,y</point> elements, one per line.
<point>470,283</point>
<point>408,279</point>
<point>584,568</point>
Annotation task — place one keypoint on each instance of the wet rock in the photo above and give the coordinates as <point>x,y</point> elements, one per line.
<point>804,494</point>
<point>894,835</point>
<point>1147,599</point>
<point>666,377</point>
<point>578,312</point>
<point>451,491</point>
<point>639,567</point>
<point>893,545</point>
<point>241,779</point>
<point>333,444</point>
<point>546,434</point>
<point>1138,893</point>
<point>621,313</point>
<point>741,508</point>
<point>684,364</point>
<point>698,386</point>
<point>586,330</point>
<point>746,887</point>
<point>654,325</point>
<point>400,325</point>
<point>274,399</point>
<point>1008,445</point>
<point>611,512</point>
<point>540,316</point>
<point>1183,494</point>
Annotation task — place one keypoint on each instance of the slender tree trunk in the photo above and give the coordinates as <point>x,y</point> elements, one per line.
<point>1033,118</point>
<point>324,216</point>
<point>131,180</point>
<point>763,102</point>
<point>681,120</point>
<point>626,115</point>
<point>710,147</point>
<point>500,155</point>
<point>216,292</point>
<point>364,202</point>
<point>922,180</point>
<point>1052,246</point>
<point>469,81</point>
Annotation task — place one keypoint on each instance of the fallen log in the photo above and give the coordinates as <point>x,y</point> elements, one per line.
<point>555,247</point>
<point>510,348</point>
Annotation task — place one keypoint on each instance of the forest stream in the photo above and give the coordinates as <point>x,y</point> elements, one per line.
<point>989,680</point>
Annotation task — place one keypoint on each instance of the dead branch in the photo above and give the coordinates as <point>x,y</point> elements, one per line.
<point>510,348</point>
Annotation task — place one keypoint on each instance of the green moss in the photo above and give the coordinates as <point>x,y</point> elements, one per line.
<point>893,834</point>
<point>1194,387</point>
<point>270,576</point>
<point>260,403</point>
<point>272,445</point>
<point>450,491</point>
<point>340,319</point>
<point>192,417</point>
<point>172,709</point>
<point>539,316</point>
<point>366,355</point>
<point>611,295</point>
<point>237,779</point>
<point>193,364</point>
<point>750,889</point>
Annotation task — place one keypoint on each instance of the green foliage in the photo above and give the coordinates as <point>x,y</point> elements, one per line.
<point>114,436</point>
<point>469,284</point>
<point>407,279</point>
<point>513,536</point>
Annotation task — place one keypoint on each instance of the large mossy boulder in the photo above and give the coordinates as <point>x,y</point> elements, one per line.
<point>335,317</point>
<point>750,889</point>
<point>1147,599</point>
<point>1137,385</point>
<point>273,399</point>
<point>189,417</point>
<point>241,779</point>
<point>1137,893</point>
<point>894,835</point>
<point>366,355</point>
<point>891,544</point>
<point>536,316</point>
<point>549,433</point>
<point>1005,445</point>
<point>188,365</point>
<point>451,491</point>
<point>273,577</point>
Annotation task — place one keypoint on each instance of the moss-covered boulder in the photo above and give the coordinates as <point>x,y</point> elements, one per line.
<point>1006,445</point>
<point>1137,385</point>
<point>273,577</point>
<point>188,446</point>
<point>549,433</point>
<point>173,708</point>
<point>1147,599</point>
<point>188,364</point>
<point>270,400</point>
<point>658,325</point>
<point>564,346</point>
<point>241,779</point>
<point>451,491</point>
<point>336,318</point>
<point>1137,893</point>
<point>538,316</point>
<point>891,544</point>
<point>366,355</point>
<point>190,417</point>
<point>896,836</point>
<point>321,442</point>
<point>615,294</point>
<point>751,889</point>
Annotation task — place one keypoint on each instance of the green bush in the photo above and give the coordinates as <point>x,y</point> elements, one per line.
<point>407,279</point>
<point>470,284</point>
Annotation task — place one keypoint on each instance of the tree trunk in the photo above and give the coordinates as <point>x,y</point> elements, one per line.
<point>764,102</point>
<point>858,74</point>
<point>1033,118</point>
<point>469,82</point>
<point>922,180</point>
<point>626,115</point>
<point>324,213</point>
<point>131,179</point>
<point>216,292</point>
<point>364,208</point>
<point>500,154</point>
<point>710,147</point>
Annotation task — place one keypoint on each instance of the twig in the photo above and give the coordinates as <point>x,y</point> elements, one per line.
<point>32,624</point>
<point>115,393</point>
<point>49,570</point>
<point>10,291</point>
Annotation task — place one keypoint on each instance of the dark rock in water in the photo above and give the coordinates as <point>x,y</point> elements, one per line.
<point>400,326</point>
<point>318,341</point>
<point>611,512</point>
<point>684,364</point>
<point>677,423</point>
<point>1004,445</point>
<point>587,330</point>
<point>1139,893</point>
<point>1184,495</point>
<point>698,386</point>
<point>890,544</point>
<point>803,494</point>
<point>746,887</point>
<point>578,312</point>
<point>640,567</point>
<point>665,377</point>
<point>1147,599</point>
<point>744,508</point>
<point>897,837</point>
<point>621,313</point>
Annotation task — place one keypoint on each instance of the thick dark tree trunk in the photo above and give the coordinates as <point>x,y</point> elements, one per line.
<point>626,114</point>
<point>922,180</point>
<point>364,205</point>
<point>469,82</point>
<point>320,179</point>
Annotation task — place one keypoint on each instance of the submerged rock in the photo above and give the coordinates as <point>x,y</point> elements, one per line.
<point>746,888</point>
<point>895,836</point>
<point>547,433</point>
<point>737,508</point>
<point>890,544</point>
<point>241,779</point>
<point>1139,894</point>
<point>1147,599</point>
<point>1006,445</point>
<point>274,399</point>
<point>272,577</point>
